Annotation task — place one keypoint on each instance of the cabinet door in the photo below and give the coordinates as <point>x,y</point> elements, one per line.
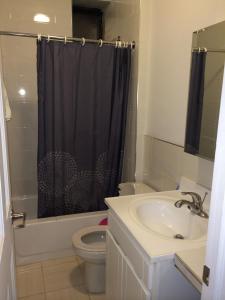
<point>133,289</point>
<point>114,270</point>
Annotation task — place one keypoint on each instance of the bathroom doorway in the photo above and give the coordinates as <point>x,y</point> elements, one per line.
<point>87,22</point>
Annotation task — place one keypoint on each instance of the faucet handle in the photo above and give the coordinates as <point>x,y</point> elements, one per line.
<point>204,198</point>
<point>189,193</point>
<point>196,205</point>
<point>196,195</point>
<point>196,198</point>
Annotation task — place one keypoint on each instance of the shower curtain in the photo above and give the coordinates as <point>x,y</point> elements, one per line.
<point>82,106</point>
<point>195,102</point>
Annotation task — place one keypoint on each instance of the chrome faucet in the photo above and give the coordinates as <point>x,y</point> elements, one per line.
<point>195,206</point>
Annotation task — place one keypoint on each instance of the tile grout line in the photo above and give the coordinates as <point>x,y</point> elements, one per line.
<point>81,271</point>
<point>38,294</point>
<point>74,260</point>
<point>18,273</point>
<point>65,288</point>
<point>43,279</point>
<point>56,264</point>
<point>42,268</point>
<point>62,289</point>
<point>79,265</point>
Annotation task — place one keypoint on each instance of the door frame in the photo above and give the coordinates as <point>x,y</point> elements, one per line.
<point>215,247</point>
<point>7,259</point>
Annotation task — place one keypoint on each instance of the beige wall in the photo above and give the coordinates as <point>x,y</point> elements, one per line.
<point>19,67</point>
<point>144,73</point>
<point>166,54</point>
<point>122,19</point>
<point>172,26</point>
<point>165,163</point>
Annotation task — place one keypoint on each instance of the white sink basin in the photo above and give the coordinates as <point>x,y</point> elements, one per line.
<point>159,215</point>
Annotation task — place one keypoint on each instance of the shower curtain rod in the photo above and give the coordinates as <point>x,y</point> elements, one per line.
<point>65,39</point>
<point>207,50</point>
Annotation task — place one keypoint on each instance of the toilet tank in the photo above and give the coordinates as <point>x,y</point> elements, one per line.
<point>132,188</point>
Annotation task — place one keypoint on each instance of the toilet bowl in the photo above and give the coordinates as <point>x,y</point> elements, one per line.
<point>90,245</point>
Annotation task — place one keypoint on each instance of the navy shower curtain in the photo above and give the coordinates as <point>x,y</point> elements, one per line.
<point>195,102</point>
<point>82,104</point>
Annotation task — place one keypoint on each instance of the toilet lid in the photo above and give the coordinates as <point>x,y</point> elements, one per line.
<point>90,238</point>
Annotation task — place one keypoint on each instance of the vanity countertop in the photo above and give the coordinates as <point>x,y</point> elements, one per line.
<point>155,246</point>
<point>190,263</point>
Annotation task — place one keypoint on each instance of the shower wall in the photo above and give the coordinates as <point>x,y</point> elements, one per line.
<point>19,71</point>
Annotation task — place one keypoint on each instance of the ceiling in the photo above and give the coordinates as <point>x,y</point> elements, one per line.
<point>101,4</point>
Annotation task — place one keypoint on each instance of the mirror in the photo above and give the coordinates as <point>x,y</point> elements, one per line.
<point>207,68</point>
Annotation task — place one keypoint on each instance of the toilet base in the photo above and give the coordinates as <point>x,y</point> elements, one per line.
<point>95,277</point>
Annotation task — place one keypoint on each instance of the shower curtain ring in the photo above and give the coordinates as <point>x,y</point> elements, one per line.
<point>83,41</point>
<point>100,43</point>
<point>65,39</point>
<point>39,37</point>
<point>48,39</point>
<point>116,46</point>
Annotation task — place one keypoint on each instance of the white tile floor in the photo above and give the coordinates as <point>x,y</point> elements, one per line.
<point>57,279</point>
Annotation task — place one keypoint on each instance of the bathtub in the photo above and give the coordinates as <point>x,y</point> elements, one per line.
<point>49,238</point>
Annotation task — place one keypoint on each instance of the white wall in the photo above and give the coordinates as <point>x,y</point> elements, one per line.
<point>164,65</point>
<point>144,68</point>
<point>165,163</point>
<point>171,32</point>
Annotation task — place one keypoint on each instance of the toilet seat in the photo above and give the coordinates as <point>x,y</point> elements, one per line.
<point>92,249</point>
<point>79,242</point>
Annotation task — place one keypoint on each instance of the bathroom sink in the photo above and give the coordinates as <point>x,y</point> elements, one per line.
<point>159,215</point>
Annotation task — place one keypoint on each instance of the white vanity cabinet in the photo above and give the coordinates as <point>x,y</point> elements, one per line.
<point>114,270</point>
<point>131,274</point>
<point>121,281</point>
<point>126,266</point>
<point>134,288</point>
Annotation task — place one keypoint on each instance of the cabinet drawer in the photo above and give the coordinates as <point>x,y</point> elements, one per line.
<point>132,250</point>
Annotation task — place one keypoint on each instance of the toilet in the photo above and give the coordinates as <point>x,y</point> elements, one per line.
<point>90,245</point>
